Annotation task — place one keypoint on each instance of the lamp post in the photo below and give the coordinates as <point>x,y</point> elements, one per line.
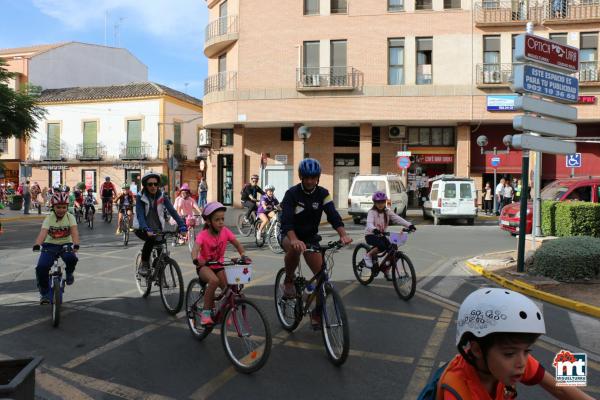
<point>304,134</point>
<point>482,141</point>
<point>168,144</point>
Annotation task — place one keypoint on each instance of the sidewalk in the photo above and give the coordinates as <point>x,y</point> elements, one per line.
<point>502,269</point>
<point>7,215</point>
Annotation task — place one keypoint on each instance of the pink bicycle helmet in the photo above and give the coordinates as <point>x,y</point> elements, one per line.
<point>379,196</point>
<point>211,208</point>
<point>185,187</point>
<point>59,198</point>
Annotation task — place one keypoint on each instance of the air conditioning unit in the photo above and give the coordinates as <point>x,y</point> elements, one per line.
<point>205,138</point>
<point>312,80</point>
<point>397,132</point>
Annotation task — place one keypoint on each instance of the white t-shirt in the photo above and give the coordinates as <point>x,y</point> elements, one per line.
<point>500,189</point>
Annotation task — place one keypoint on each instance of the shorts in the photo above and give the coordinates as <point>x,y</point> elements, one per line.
<point>123,208</point>
<point>381,242</point>
<point>215,270</point>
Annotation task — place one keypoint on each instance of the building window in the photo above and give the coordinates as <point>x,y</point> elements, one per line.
<point>346,160</point>
<point>311,7</point>
<point>226,137</point>
<point>449,4</point>
<point>339,7</point>
<point>435,136</point>
<point>559,37</point>
<point>375,160</point>
<point>53,141</point>
<point>514,45</point>
<point>588,56</point>
<point>395,5</point>
<point>423,4</point>
<point>311,72</point>
<point>346,136</point>
<point>424,61</point>
<point>3,145</point>
<point>491,59</point>
<point>396,61</point>
<point>376,136</point>
<point>339,68</point>
<point>287,134</point>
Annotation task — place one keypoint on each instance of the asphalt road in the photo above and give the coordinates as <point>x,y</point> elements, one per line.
<point>113,344</point>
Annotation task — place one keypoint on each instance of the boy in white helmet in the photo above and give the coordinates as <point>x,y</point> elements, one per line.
<point>495,330</point>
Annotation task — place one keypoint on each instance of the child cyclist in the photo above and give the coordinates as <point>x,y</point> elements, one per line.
<point>210,246</point>
<point>125,202</point>
<point>186,207</point>
<point>89,201</point>
<point>378,219</point>
<point>58,229</point>
<point>266,207</point>
<point>495,330</point>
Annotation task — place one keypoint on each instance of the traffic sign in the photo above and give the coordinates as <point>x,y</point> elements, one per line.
<point>538,106</point>
<point>544,126</point>
<point>403,162</point>
<point>573,160</point>
<point>561,87</point>
<point>545,145</point>
<point>495,162</point>
<point>403,153</point>
<point>541,50</point>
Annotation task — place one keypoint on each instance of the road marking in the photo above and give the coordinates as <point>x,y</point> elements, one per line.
<point>104,278</point>
<point>395,313</point>
<point>31,323</point>
<point>92,255</point>
<point>353,353</point>
<point>58,387</point>
<point>424,365</point>
<point>584,330</point>
<point>113,344</point>
<point>111,313</point>
<point>438,300</point>
<point>259,297</point>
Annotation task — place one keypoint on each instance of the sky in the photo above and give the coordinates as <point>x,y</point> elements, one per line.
<point>166,35</point>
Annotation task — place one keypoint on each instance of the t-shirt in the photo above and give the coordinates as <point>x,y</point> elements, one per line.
<point>462,377</point>
<point>59,232</point>
<point>108,189</point>
<point>253,191</point>
<point>499,189</point>
<point>89,200</point>
<point>212,248</point>
<point>187,205</point>
<point>269,202</point>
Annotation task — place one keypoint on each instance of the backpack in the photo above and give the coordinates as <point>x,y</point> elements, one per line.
<point>429,392</point>
<point>243,192</point>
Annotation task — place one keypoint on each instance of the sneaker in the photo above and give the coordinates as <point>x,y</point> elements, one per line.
<point>368,261</point>
<point>144,269</point>
<point>315,320</point>
<point>258,234</point>
<point>45,298</point>
<point>118,232</point>
<point>206,318</point>
<point>289,290</point>
<point>69,279</point>
<point>246,220</point>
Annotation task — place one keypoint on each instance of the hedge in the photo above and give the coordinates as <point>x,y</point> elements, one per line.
<point>568,259</point>
<point>570,218</point>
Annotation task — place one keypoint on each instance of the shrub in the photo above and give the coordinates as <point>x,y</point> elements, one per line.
<point>577,219</point>
<point>568,259</point>
<point>548,217</point>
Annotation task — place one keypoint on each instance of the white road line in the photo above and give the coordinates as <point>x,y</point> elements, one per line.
<point>58,387</point>
<point>587,330</point>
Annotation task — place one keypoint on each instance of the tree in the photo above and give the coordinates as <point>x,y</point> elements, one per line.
<point>19,113</point>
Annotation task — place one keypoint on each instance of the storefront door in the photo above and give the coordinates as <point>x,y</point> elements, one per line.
<point>225,179</point>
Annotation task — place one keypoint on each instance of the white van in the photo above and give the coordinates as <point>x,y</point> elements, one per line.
<point>363,187</point>
<point>451,198</point>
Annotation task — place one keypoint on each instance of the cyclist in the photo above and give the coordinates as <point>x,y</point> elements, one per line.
<point>250,196</point>
<point>185,206</point>
<point>378,219</point>
<point>266,207</point>
<point>150,206</point>
<point>76,198</point>
<point>58,229</point>
<point>125,202</point>
<point>89,201</point>
<point>495,330</point>
<point>210,246</point>
<point>302,208</point>
<point>108,192</point>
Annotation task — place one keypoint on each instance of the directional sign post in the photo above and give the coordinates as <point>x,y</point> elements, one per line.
<point>573,161</point>
<point>557,86</point>
<point>403,162</point>
<point>531,48</point>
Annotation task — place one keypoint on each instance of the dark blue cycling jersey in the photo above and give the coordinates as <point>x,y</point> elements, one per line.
<point>301,212</point>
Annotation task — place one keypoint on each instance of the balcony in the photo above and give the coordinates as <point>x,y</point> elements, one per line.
<point>589,73</point>
<point>220,82</point>
<point>87,152</point>
<point>54,151</point>
<point>571,11</point>
<point>135,151</point>
<point>219,34</point>
<point>507,13</point>
<point>327,78</point>
<point>494,75</point>
<point>180,151</point>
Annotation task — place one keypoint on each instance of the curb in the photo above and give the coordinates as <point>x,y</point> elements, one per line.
<point>22,218</point>
<point>529,290</point>
<point>343,219</point>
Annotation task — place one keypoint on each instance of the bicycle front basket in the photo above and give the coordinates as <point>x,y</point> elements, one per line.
<point>238,274</point>
<point>398,238</point>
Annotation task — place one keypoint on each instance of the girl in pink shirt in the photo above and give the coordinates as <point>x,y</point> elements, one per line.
<point>185,204</point>
<point>210,245</point>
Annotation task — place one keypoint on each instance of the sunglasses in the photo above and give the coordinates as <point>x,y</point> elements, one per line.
<point>254,180</point>
<point>150,184</point>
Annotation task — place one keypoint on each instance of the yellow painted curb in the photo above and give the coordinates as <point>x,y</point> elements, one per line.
<point>529,290</point>
<point>343,219</point>
<point>23,218</point>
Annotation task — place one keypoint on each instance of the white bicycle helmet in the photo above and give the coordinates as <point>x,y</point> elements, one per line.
<point>492,310</point>
<point>269,187</point>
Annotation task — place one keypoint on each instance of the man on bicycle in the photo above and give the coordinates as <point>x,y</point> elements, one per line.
<point>108,192</point>
<point>125,203</point>
<point>302,208</point>
<point>250,196</point>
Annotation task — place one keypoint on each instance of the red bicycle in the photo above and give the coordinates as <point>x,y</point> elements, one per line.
<point>107,209</point>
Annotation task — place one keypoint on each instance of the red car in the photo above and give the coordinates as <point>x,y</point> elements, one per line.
<point>569,189</point>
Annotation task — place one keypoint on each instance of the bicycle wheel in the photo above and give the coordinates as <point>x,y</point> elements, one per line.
<point>191,238</point>
<point>90,220</point>
<point>55,302</point>
<point>171,286</point>
<point>144,284</point>
<point>39,207</point>
<point>289,311</point>
<point>274,239</point>
<point>404,277</point>
<point>336,333</point>
<point>246,336</point>
<point>245,228</point>
<point>78,216</point>
<point>109,216</point>
<point>193,307</point>
<point>363,274</point>
<point>125,230</point>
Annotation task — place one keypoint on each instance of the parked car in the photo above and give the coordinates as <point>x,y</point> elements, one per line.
<point>363,187</point>
<point>569,189</point>
<point>451,198</point>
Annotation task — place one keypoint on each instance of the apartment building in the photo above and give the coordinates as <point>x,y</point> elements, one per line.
<point>374,77</point>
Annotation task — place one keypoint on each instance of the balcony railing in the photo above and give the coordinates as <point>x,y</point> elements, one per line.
<point>54,151</point>
<point>513,12</point>
<point>180,151</point>
<point>568,11</point>
<point>135,151</point>
<point>494,74</point>
<point>327,78</point>
<point>219,34</point>
<point>221,82</point>
<point>90,151</point>
<point>589,73</point>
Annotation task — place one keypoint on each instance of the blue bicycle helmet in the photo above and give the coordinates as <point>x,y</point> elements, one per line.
<point>309,167</point>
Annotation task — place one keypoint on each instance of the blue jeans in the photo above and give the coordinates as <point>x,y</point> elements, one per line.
<point>202,199</point>
<point>45,262</point>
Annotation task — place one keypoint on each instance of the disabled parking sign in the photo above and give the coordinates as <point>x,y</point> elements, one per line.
<point>573,160</point>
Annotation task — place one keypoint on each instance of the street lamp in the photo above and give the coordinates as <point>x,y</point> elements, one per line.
<point>482,141</point>
<point>168,144</point>
<point>304,134</point>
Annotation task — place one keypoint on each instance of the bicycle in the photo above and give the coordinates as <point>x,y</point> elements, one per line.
<point>89,218</point>
<point>271,233</point>
<point>57,283</point>
<point>190,236</point>
<point>239,317</point>
<point>78,211</point>
<point>334,322</point>
<point>107,210</point>
<point>164,273</point>
<point>124,225</point>
<point>403,273</point>
<point>246,228</point>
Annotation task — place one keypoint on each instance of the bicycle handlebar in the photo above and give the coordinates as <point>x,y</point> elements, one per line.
<point>231,261</point>
<point>330,245</point>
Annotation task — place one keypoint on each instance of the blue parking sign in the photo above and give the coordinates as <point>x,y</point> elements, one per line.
<point>573,160</point>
